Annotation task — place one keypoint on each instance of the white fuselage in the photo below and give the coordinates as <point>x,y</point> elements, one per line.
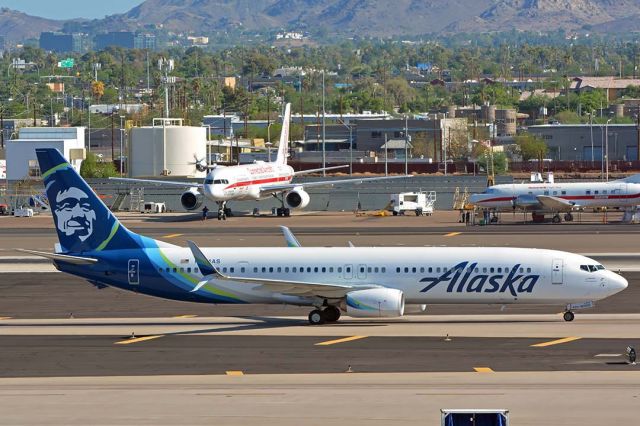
<point>583,194</point>
<point>243,182</point>
<point>426,275</point>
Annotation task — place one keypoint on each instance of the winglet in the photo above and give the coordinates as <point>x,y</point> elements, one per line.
<point>351,244</point>
<point>291,239</point>
<point>206,268</point>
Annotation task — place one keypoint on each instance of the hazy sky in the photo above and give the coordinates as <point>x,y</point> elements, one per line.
<point>65,9</point>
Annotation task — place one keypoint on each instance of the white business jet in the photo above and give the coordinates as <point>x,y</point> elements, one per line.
<point>256,181</point>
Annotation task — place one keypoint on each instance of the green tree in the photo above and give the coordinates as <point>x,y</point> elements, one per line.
<point>92,168</point>
<point>531,147</point>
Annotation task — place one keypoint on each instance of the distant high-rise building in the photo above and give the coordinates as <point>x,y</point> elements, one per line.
<point>124,39</point>
<point>2,45</point>
<point>56,42</point>
<point>145,41</point>
<point>62,43</point>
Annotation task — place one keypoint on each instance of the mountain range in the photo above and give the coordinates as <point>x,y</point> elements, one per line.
<point>378,18</point>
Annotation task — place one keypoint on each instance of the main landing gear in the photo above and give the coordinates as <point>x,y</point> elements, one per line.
<point>568,316</point>
<point>568,217</point>
<point>328,314</point>
<point>223,211</point>
<point>282,211</point>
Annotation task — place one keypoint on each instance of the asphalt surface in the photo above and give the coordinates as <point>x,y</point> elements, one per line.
<point>53,356</point>
<point>57,295</point>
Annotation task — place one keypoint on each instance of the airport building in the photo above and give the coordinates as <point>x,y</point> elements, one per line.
<point>63,43</point>
<point>582,142</point>
<point>21,152</point>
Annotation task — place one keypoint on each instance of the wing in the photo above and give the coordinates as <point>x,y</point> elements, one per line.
<point>309,171</point>
<point>555,203</point>
<point>271,189</point>
<point>293,288</point>
<point>160,182</point>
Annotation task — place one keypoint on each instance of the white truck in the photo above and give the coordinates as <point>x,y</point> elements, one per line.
<point>421,203</point>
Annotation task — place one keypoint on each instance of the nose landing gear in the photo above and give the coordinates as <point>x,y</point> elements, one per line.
<point>224,211</point>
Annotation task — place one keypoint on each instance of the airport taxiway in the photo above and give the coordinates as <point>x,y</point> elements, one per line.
<point>67,346</point>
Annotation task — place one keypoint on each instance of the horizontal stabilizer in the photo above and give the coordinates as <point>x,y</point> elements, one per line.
<point>76,260</point>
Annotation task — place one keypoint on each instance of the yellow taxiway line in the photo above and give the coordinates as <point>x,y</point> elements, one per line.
<point>343,340</point>
<point>483,370</point>
<point>555,342</point>
<point>4,318</point>
<point>452,234</point>
<point>185,316</point>
<point>138,339</point>
<point>234,373</point>
<point>173,235</point>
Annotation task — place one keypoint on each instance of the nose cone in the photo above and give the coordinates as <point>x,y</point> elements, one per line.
<point>475,198</point>
<point>618,283</point>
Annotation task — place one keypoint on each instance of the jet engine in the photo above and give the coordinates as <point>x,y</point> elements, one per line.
<point>374,303</point>
<point>192,199</point>
<point>297,199</point>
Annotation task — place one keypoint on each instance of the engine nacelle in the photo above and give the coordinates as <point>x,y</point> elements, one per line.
<point>192,199</point>
<point>375,303</point>
<point>297,199</point>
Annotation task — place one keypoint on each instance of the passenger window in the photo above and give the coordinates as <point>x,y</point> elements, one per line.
<point>375,269</point>
<point>339,269</point>
<point>499,270</point>
<point>159,269</point>
<point>279,269</point>
<point>224,269</point>
<point>315,269</point>
<point>406,270</point>
<point>175,270</point>
<point>324,269</point>
<point>398,270</point>
<point>195,270</point>
<point>492,270</point>
<point>168,270</point>
<point>546,192</point>
<point>369,269</point>
<point>271,269</point>
<point>331,269</point>
<point>255,269</point>
<point>555,192</point>
<point>294,269</point>
<point>430,269</point>
<point>588,192</point>
<point>477,270</point>
<point>189,270</point>
<point>521,270</point>
<point>564,192</point>
<point>264,269</point>
<point>286,269</point>
<point>445,269</point>
<point>348,269</point>
<point>181,269</point>
<point>528,270</point>
<point>422,269</point>
<point>438,270</point>
<point>604,191</point>
<point>596,192</point>
<point>308,269</point>
<point>232,270</point>
<point>384,269</point>
<point>484,270</point>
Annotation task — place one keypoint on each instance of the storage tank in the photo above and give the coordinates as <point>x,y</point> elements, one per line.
<point>167,149</point>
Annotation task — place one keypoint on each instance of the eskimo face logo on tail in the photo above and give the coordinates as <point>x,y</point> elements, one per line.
<point>74,215</point>
<point>464,278</point>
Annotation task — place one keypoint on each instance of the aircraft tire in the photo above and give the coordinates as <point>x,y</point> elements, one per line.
<point>568,316</point>
<point>286,212</point>
<point>331,314</point>
<point>316,317</point>
<point>568,217</point>
<point>556,219</point>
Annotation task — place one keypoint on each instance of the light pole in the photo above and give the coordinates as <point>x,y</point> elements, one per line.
<point>606,154</point>
<point>268,144</point>
<point>122,117</point>
<point>324,154</point>
<point>591,132</point>
<point>350,144</point>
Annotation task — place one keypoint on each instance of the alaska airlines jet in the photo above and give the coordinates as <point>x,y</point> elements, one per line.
<point>256,181</point>
<point>554,198</point>
<point>369,282</point>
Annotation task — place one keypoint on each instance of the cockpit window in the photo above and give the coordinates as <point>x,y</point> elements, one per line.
<point>208,181</point>
<point>591,268</point>
<point>220,182</point>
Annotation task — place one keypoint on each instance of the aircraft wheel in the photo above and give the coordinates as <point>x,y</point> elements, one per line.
<point>568,316</point>
<point>286,212</point>
<point>568,217</point>
<point>331,314</point>
<point>556,219</point>
<point>279,211</point>
<point>316,317</point>
<point>228,212</point>
<point>219,215</point>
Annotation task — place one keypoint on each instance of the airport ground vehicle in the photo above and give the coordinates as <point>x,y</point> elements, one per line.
<point>479,417</point>
<point>421,203</point>
<point>368,282</point>
<point>151,207</point>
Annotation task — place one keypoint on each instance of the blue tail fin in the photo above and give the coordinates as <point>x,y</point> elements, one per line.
<point>83,222</point>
